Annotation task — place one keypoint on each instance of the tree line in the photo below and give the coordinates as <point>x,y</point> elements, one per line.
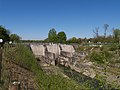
<point>61,37</point>
<point>114,38</point>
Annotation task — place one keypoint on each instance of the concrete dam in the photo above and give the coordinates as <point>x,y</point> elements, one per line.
<point>54,54</point>
<point>64,55</point>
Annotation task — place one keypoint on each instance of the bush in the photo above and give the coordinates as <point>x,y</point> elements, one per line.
<point>96,57</point>
<point>100,57</point>
<point>113,47</point>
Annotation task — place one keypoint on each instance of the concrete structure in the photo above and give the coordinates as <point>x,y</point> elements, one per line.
<point>67,48</point>
<point>67,54</point>
<point>53,49</point>
<point>38,50</point>
<point>62,54</point>
<point>53,53</point>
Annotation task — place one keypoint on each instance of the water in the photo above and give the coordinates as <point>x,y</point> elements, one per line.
<point>93,84</point>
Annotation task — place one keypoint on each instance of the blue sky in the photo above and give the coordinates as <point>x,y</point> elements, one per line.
<point>32,19</point>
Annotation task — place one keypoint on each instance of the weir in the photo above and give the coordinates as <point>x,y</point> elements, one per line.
<point>54,54</point>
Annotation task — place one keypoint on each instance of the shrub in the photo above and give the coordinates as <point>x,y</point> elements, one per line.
<point>96,57</point>
<point>101,57</point>
<point>113,47</point>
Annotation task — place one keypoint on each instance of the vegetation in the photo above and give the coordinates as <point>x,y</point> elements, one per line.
<point>73,40</point>
<point>22,55</point>
<point>15,38</point>
<point>116,35</point>
<point>100,57</point>
<point>101,39</point>
<point>96,57</point>
<point>105,27</point>
<point>52,36</point>
<point>34,41</point>
<point>103,50</point>
<point>89,83</point>
<point>62,37</point>
<point>4,34</point>
<point>56,38</point>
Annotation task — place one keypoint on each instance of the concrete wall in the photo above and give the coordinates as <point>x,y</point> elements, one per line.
<point>52,52</point>
<point>67,48</point>
<point>38,50</point>
<point>66,54</point>
<point>54,49</point>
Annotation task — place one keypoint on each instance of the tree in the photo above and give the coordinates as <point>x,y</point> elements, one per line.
<point>96,32</point>
<point>105,29</point>
<point>62,37</point>
<point>52,36</point>
<point>116,35</point>
<point>73,40</point>
<point>109,39</point>
<point>79,40</point>
<point>15,38</point>
<point>4,34</point>
<point>46,40</point>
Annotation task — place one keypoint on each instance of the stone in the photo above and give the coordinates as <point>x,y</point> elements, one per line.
<point>90,73</point>
<point>66,54</point>
<point>38,50</point>
<point>67,48</point>
<point>50,55</point>
<point>88,63</point>
<point>53,49</point>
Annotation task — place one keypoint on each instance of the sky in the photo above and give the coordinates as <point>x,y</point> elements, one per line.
<point>32,19</point>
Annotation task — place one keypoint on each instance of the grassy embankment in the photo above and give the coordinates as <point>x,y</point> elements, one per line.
<point>22,55</point>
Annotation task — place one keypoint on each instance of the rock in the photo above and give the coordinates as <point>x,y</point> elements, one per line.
<point>38,50</point>
<point>90,73</point>
<point>66,54</point>
<point>54,49</point>
<point>88,63</point>
<point>67,48</point>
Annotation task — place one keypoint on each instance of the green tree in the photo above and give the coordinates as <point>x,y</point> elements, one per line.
<point>4,34</point>
<point>15,38</point>
<point>46,40</point>
<point>52,36</point>
<point>79,40</point>
<point>62,37</point>
<point>73,40</point>
<point>116,35</point>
